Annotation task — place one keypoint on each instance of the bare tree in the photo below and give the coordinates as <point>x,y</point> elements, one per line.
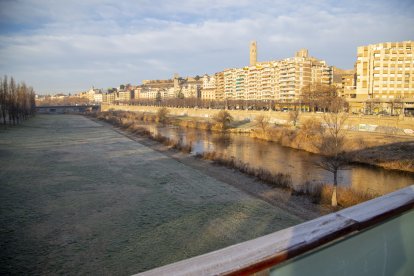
<point>222,119</point>
<point>294,116</point>
<point>262,122</point>
<point>162,115</point>
<point>318,96</point>
<point>17,101</point>
<point>332,144</point>
<point>4,91</point>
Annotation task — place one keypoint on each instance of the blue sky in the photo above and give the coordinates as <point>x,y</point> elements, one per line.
<point>68,46</point>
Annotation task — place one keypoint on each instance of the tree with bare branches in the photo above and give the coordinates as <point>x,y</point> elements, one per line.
<point>294,116</point>
<point>262,121</point>
<point>222,119</point>
<point>318,96</point>
<point>332,142</point>
<point>162,115</point>
<point>17,101</point>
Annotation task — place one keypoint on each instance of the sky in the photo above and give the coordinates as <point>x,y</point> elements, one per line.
<point>70,46</point>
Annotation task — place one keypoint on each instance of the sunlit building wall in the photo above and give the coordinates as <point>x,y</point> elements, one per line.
<point>385,71</point>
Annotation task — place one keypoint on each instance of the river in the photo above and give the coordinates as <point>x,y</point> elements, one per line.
<point>278,159</point>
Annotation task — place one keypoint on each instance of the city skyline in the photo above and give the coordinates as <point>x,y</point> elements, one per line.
<point>72,46</point>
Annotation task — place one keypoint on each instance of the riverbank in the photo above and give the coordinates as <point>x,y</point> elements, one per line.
<point>318,193</point>
<point>298,204</point>
<point>388,151</point>
<point>81,197</point>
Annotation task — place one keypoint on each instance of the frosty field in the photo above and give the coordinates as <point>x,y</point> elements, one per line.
<point>77,197</point>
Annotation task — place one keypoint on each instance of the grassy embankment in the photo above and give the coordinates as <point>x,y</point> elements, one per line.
<point>383,150</point>
<point>320,194</point>
<point>77,198</point>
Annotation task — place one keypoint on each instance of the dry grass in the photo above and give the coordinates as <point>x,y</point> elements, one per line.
<point>128,122</point>
<point>397,156</point>
<point>322,194</point>
<point>197,124</point>
<point>280,180</point>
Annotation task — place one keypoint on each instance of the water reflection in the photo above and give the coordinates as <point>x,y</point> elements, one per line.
<point>273,157</point>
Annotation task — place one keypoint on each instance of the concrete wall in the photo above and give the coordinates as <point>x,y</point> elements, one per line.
<point>356,122</point>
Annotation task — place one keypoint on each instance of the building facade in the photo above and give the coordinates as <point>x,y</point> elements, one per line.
<point>219,93</point>
<point>281,80</point>
<point>385,71</point>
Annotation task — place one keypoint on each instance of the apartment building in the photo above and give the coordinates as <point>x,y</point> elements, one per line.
<point>385,71</point>
<point>276,80</point>
<point>108,98</point>
<point>219,92</point>
<point>230,84</point>
<point>300,71</point>
<point>123,96</point>
<point>347,89</point>
<point>191,90</point>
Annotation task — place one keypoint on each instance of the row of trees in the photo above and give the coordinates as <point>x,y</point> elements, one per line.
<point>17,101</point>
<point>313,98</point>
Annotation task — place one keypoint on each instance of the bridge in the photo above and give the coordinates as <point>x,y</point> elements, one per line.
<point>372,238</point>
<point>65,109</point>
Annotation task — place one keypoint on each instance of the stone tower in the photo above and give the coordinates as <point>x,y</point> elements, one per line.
<point>302,53</point>
<point>253,53</point>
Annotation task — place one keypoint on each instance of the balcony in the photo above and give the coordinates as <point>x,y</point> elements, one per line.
<point>372,238</point>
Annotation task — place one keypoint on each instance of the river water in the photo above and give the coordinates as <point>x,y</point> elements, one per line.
<point>278,159</point>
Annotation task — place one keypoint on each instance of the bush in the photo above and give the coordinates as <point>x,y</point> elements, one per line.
<point>311,128</point>
<point>162,115</point>
<point>222,120</point>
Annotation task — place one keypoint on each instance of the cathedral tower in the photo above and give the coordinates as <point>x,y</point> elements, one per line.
<point>253,53</point>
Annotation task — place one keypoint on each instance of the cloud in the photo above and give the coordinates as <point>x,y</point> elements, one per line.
<point>71,45</point>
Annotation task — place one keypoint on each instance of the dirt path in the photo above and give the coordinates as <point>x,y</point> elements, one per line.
<point>77,197</point>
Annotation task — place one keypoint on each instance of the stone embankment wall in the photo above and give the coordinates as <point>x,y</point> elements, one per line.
<point>393,125</point>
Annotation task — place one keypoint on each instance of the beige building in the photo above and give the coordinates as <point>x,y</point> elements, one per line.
<point>280,80</point>
<point>385,71</point>
<point>208,94</point>
<point>208,89</point>
<point>97,98</point>
<point>108,98</point>
<point>209,82</point>
<point>123,96</point>
<point>347,89</point>
<point>219,93</point>
<point>172,88</point>
<point>230,83</point>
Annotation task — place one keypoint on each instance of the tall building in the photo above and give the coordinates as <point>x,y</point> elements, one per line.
<point>253,53</point>
<point>230,84</point>
<point>385,71</point>
<point>219,93</point>
<point>276,80</point>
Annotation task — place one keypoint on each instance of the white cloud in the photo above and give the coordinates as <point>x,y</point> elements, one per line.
<point>72,45</point>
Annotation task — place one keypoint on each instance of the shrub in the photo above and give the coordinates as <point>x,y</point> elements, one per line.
<point>222,120</point>
<point>162,115</point>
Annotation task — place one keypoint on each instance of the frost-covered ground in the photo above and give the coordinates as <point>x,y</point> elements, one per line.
<point>77,197</point>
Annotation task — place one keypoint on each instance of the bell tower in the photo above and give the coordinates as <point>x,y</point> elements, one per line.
<point>253,53</point>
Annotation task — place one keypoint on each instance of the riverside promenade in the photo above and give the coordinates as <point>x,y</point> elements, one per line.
<point>78,197</point>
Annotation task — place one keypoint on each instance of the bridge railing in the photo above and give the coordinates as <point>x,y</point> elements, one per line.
<point>372,238</point>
